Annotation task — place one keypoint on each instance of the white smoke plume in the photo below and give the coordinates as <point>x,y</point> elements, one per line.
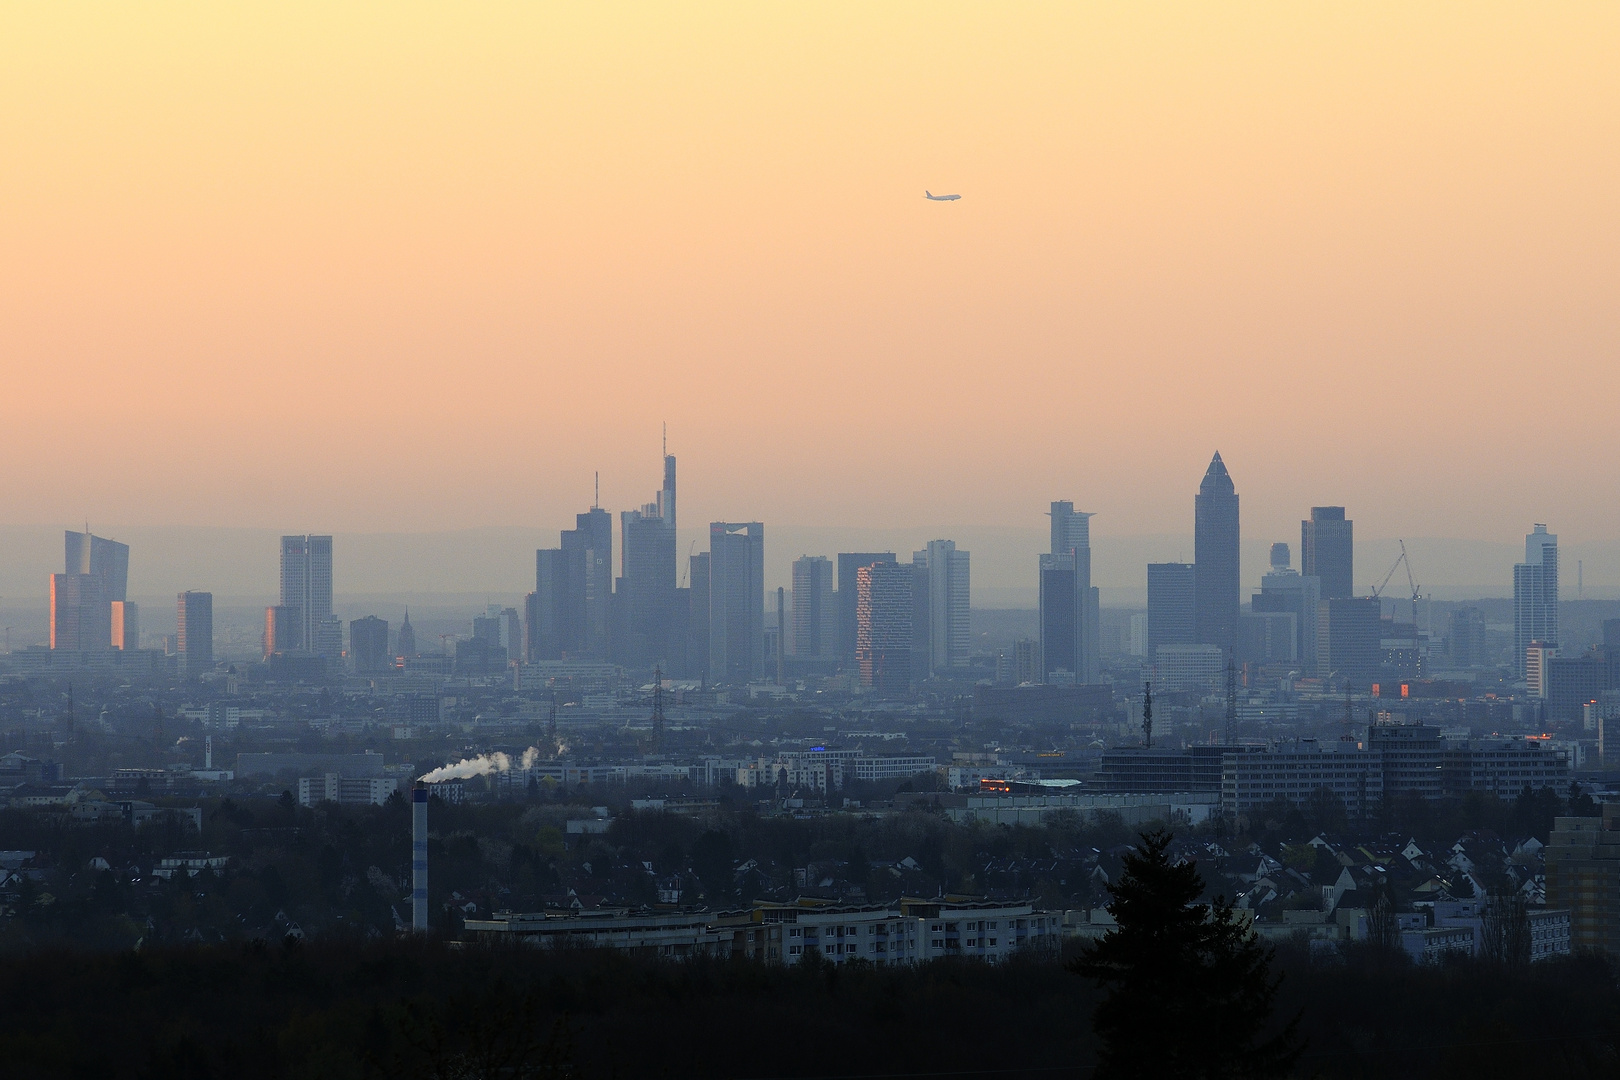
<point>482,765</point>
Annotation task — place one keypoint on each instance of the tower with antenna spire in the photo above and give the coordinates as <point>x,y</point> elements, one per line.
<point>648,579</point>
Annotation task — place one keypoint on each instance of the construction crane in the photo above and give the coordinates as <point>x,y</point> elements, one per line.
<point>1417,594</point>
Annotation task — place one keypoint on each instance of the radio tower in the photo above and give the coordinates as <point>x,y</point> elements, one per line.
<point>1147,715</point>
<point>658,711</point>
<point>1231,703</point>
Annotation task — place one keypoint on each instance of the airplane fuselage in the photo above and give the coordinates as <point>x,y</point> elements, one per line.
<point>931,197</point>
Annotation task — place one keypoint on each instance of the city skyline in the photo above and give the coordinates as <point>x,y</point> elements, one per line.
<point>1282,233</point>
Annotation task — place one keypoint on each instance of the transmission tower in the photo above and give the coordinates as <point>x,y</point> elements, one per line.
<point>1231,703</point>
<point>1147,715</point>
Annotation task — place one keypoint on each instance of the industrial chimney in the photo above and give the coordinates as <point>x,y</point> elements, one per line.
<point>419,894</point>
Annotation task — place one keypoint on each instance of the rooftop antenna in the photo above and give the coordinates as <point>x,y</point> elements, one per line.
<point>1147,715</point>
<point>596,500</point>
<point>666,438</point>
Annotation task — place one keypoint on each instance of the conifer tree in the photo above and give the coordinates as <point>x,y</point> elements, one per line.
<point>1190,993</point>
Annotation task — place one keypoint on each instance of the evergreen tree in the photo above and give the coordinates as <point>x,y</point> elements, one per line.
<point>1190,989</point>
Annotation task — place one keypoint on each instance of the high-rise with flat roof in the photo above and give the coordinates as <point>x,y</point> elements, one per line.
<point>368,645</point>
<point>1349,639</point>
<point>1172,598</point>
<point>126,625</point>
<point>1215,553</point>
<point>1535,596</point>
<point>194,634</point>
<point>941,633</point>
<point>849,563</point>
<point>1060,617</point>
<point>883,613</point>
<point>815,618</point>
<point>1071,541</point>
<point>646,591</point>
<point>736,601</point>
<point>306,597</point>
<point>1327,550</point>
<point>1285,591</point>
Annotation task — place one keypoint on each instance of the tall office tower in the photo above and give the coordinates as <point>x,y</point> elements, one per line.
<point>100,557</point>
<point>697,619</point>
<point>815,618</point>
<point>941,632</point>
<point>736,601</point>
<point>97,575</point>
<point>1327,550</point>
<point>1026,661</point>
<point>306,593</point>
<point>1060,616</point>
<point>126,625</point>
<point>547,609</point>
<point>1349,639</point>
<point>849,562</point>
<point>407,637</point>
<point>281,633</point>
<point>368,645</point>
<point>1465,645</point>
<point>1535,596</point>
<point>1071,536</point>
<point>1172,600</point>
<point>883,629</point>
<point>81,617</point>
<point>1215,553</point>
<point>487,629</point>
<point>512,633</point>
<point>194,634</point>
<point>646,594</point>
<point>1287,591</point>
<point>588,549</point>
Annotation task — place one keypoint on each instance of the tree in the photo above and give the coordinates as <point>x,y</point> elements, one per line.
<point>1190,993</point>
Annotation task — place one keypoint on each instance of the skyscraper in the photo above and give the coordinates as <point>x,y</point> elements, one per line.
<point>815,619</point>
<point>103,558</point>
<point>1071,539</point>
<point>1327,550</point>
<point>736,601</point>
<point>1215,553</point>
<point>646,592</point>
<point>306,596</point>
<point>194,637</point>
<point>588,548</point>
<point>368,645</point>
<point>97,576</point>
<point>883,634</point>
<point>1285,591</point>
<point>1349,639</point>
<point>1535,596</point>
<point>849,563</point>
<point>697,618</point>
<point>126,625</point>
<point>941,633</point>
<point>81,617</point>
<point>1172,599</point>
<point>1060,616</point>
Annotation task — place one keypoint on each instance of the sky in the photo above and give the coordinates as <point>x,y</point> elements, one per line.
<point>412,267</point>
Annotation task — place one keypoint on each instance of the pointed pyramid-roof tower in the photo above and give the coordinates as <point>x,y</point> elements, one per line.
<point>1216,478</point>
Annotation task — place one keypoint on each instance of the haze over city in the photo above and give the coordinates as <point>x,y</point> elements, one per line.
<point>826,541</point>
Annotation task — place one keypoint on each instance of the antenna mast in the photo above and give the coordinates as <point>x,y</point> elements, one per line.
<point>1147,715</point>
<point>1231,702</point>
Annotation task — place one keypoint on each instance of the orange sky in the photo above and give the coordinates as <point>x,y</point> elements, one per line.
<point>419,266</point>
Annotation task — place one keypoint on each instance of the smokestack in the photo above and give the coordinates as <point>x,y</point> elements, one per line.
<point>419,895</point>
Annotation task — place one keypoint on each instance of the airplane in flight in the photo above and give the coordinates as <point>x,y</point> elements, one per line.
<point>931,197</point>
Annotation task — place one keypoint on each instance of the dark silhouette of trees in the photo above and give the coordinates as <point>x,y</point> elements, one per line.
<point>1190,992</point>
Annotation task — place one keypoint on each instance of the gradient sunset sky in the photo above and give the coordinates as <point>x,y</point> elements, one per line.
<point>408,266</point>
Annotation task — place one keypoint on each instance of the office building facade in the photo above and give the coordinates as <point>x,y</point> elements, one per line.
<point>1535,596</point>
<point>194,633</point>
<point>126,625</point>
<point>1349,639</point>
<point>736,602</point>
<point>884,630</point>
<point>306,622</point>
<point>646,593</point>
<point>368,645</point>
<point>1327,550</point>
<point>941,631</point>
<point>815,615</point>
<point>1172,598</point>
<point>849,563</point>
<point>81,599</point>
<point>1071,541</point>
<point>1215,553</point>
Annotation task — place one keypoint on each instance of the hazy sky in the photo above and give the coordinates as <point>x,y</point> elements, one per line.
<point>346,267</point>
